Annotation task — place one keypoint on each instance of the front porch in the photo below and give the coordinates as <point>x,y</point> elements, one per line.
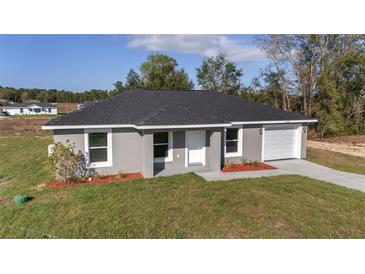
<point>226,176</point>
<point>160,170</point>
<point>181,151</point>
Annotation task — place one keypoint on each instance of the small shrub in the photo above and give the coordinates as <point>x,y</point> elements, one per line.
<point>68,165</point>
<point>228,165</point>
<point>255,163</point>
<point>243,161</point>
<point>121,175</point>
<point>100,176</point>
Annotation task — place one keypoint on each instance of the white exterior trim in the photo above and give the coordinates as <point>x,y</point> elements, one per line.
<point>170,154</point>
<point>239,145</point>
<point>88,126</point>
<point>108,163</point>
<point>275,122</point>
<point>177,126</point>
<point>262,144</point>
<point>186,153</point>
<point>182,126</point>
<point>134,126</point>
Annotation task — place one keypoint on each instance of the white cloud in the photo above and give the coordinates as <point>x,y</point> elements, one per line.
<point>206,45</point>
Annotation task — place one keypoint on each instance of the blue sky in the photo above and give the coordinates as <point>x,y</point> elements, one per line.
<point>83,62</point>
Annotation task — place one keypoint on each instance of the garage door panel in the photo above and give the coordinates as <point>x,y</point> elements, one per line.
<point>280,143</point>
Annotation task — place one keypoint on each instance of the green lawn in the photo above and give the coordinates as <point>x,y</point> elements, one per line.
<point>182,206</point>
<point>337,160</point>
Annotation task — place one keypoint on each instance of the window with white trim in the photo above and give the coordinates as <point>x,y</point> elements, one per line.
<point>233,142</point>
<point>162,146</point>
<point>98,147</point>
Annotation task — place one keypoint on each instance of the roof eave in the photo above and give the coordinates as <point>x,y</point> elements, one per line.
<point>275,122</point>
<point>53,127</point>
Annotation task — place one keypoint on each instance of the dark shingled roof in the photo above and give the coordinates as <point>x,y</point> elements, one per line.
<point>173,107</point>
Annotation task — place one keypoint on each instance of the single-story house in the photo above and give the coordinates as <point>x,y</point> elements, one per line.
<point>30,108</point>
<point>165,132</point>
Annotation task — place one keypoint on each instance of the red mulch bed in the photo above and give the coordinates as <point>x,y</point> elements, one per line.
<point>239,167</point>
<point>103,180</point>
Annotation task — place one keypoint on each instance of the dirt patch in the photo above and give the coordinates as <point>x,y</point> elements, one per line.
<point>21,126</point>
<point>352,148</point>
<point>66,107</point>
<point>351,139</point>
<point>3,182</point>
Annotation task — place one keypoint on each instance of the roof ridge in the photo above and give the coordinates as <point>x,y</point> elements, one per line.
<point>165,89</point>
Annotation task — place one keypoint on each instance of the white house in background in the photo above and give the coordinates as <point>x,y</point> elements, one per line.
<point>30,108</point>
<point>80,106</point>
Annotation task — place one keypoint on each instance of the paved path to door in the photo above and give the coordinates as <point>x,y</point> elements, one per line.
<point>294,167</point>
<point>225,176</point>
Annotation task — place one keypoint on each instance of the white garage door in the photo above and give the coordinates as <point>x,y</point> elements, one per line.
<point>281,142</point>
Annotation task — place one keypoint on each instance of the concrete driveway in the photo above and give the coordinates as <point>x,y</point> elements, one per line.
<point>318,172</point>
<point>294,167</point>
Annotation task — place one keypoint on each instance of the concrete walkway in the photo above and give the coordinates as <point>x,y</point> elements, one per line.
<point>226,176</point>
<point>294,167</point>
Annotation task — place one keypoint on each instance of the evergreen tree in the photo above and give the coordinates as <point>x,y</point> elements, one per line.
<point>133,80</point>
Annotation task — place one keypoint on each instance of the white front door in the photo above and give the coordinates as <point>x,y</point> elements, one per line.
<point>195,144</point>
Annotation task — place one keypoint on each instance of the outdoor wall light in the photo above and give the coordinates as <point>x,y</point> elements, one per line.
<point>260,130</point>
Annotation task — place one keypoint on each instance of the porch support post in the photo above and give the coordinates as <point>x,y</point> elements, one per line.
<point>147,157</point>
<point>215,150</point>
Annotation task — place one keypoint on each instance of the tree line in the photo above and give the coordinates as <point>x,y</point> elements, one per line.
<point>51,95</point>
<point>316,75</point>
<point>321,76</point>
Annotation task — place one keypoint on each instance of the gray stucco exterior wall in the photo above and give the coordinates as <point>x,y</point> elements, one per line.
<point>178,150</point>
<point>303,153</point>
<point>75,136</point>
<point>127,148</point>
<point>127,152</point>
<point>132,150</point>
<point>147,154</point>
<point>252,143</point>
<point>214,148</point>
